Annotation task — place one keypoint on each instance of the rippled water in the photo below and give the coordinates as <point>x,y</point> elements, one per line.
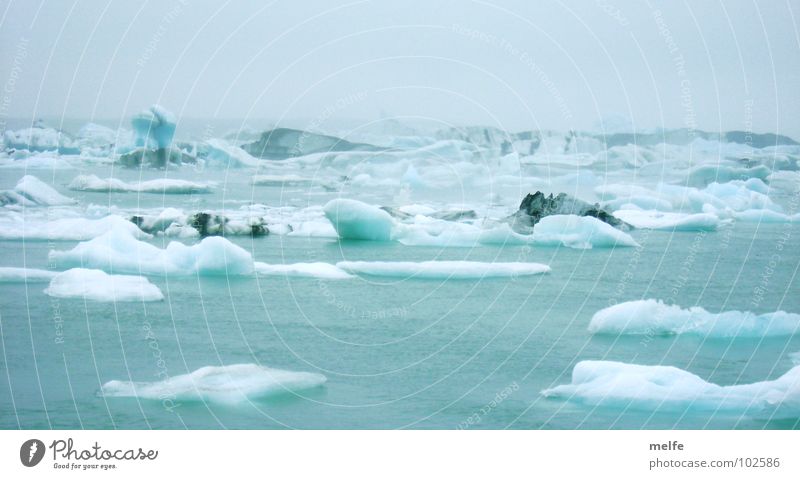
<point>396,352</point>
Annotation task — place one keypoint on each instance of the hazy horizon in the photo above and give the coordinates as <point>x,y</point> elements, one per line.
<point>512,65</point>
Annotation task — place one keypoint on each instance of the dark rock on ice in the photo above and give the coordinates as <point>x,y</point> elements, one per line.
<point>155,157</point>
<point>536,206</point>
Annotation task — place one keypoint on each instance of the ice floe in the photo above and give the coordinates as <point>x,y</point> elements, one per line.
<point>221,153</point>
<point>231,384</point>
<point>658,220</point>
<point>161,186</point>
<point>118,251</point>
<point>40,138</point>
<point>96,285</point>
<point>581,232</point>
<point>653,317</point>
<point>25,275</point>
<point>307,270</point>
<point>667,388</point>
<point>442,269</point>
<point>64,229</point>
<point>31,191</point>
<point>356,220</point>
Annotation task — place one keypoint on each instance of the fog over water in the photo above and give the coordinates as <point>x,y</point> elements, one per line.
<point>513,64</point>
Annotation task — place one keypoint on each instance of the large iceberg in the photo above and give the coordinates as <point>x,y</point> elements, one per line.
<point>31,191</point>
<point>355,220</point>
<point>667,388</point>
<point>161,186</point>
<point>120,252</point>
<point>442,269</point>
<point>232,384</point>
<point>96,285</point>
<point>652,317</point>
<point>154,128</point>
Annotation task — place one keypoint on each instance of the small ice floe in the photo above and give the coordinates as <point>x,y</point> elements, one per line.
<point>25,275</point>
<point>442,269</point>
<point>667,388</point>
<point>167,186</point>
<point>653,317</point>
<point>31,191</point>
<point>303,270</point>
<point>119,251</point>
<point>231,384</point>
<point>64,229</point>
<point>96,285</point>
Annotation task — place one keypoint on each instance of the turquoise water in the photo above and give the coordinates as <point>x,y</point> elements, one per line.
<point>398,353</point>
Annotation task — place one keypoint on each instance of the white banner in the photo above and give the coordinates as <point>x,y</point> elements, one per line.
<point>400,454</point>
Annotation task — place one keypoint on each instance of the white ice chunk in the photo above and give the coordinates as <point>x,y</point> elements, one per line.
<point>229,384</point>
<point>66,229</point>
<point>579,232</point>
<point>307,270</point>
<point>621,385</point>
<point>161,186</point>
<point>355,220</point>
<point>653,317</point>
<point>222,153</point>
<point>25,275</point>
<point>119,251</point>
<point>31,191</point>
<point>281,180</point>
<point>96,285</point>
<point>706,174</point>
<point>442,269</point>
<point>656,220</point>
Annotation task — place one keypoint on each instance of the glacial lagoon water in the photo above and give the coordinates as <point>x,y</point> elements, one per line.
<point>396,352</point>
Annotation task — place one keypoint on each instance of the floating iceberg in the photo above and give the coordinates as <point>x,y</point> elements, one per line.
<point>66,229</point>
<point>161,186</point>
<point>221,153</point>
<point>25,275</point>
<point>657,220</point>
<point>354,220</point>
<point>96,285</point>
<point>442,269</point>
<point>154,128</point>
<point>652,317</point>
<point>305,270</point>
<point>281,180</point>
<point>651,388</point>
<point>581,232</point>
<point>230,384</point>
<point>118,251</point>
<point>38,139</point>
<point>718,198</point>
<point>707,174</point>
<point>31,191</point>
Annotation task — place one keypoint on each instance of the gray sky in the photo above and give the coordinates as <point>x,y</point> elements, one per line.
<point>516,64</point>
